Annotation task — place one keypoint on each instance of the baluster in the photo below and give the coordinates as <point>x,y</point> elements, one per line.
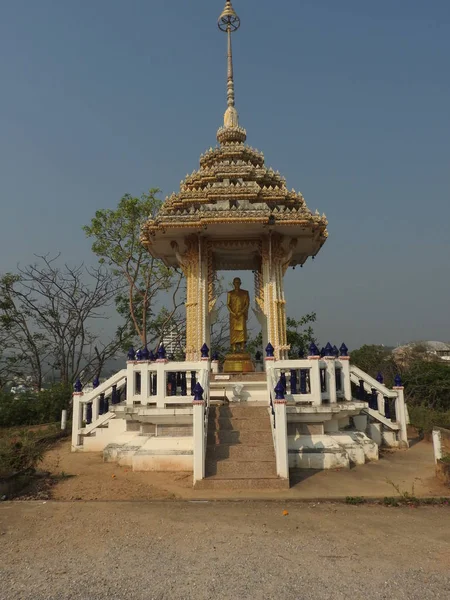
<point>154,383</point>
<point>283,381</point>
<point>373,400</point>
<point>293,381</point>
<point>137,383</point>
<point>88,413</point>
<point>361,390</point>
<point>184,384</point>
<point>303,376</point>
<point>338,376</point>
<point>193,381</point>
<point>323,380</point>
<point>101,405</point>
<point>387,408</point>
<point>173,384</point>
<point>114,399</point>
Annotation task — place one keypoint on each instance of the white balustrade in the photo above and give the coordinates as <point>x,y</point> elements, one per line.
<point>314,380</point>
<point>164,383</point>
<point>160,384</point>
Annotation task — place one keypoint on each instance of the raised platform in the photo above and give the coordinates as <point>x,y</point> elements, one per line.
<point>238,362</point>
<point>238,377</point>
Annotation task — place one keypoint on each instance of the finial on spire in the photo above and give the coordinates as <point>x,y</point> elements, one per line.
<point>230,22</point>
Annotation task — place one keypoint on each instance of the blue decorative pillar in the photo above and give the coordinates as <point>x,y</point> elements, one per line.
<point>303,377</point>
<point>89,413</point>
<point>293,381</point>
<point>361,390</point>
<point>101,405</point>
<point>198,392</point>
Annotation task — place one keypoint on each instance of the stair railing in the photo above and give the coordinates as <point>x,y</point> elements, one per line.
<point>314,381</point>
<point>379,406</point>
<point>162,383</point>
<point>91,409</point>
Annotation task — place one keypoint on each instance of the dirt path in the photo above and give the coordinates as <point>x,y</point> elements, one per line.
<point>185,550</point>
<point>411,470</point>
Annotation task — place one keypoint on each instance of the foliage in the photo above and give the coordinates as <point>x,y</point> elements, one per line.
<point>428,384</point>
<point>355,500</point>
<point>33,409</point>
<point>47,315</point>
<point>22,449</point>
<point>144,282</point>
<point>374,359</point>
<point>425,419</point>
<point>299,334</point>
<point>18,453</point>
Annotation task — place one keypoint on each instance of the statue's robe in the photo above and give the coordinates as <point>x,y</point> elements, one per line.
<point>238,302</point>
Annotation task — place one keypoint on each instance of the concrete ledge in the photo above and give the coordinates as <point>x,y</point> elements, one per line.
<point>316,452</point>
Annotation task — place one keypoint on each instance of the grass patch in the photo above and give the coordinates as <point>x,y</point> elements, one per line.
<point>355,500</point>
<point>21,449</point>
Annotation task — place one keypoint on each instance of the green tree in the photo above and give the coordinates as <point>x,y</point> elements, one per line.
<point>144,282</point>
<point>374,359</point>
<point>427,384</point>
<point>300,334</point>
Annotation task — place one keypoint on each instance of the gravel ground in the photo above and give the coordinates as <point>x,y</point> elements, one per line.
<point>184,550</point>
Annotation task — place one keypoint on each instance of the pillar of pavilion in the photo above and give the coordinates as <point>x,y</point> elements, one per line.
<point>234,213</point>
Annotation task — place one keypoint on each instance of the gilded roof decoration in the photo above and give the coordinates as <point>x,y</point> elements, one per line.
<point>233,184</point>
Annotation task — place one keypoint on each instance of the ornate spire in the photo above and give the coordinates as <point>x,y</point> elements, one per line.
<point>230,22</point>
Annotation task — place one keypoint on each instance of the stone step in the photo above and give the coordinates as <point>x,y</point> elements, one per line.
<point>239,424</point>
<point>126,453</point>
<point>241,452</point>
<point>238,410</point>
<point>112,450</point>
<point>238,483</point>
<point>251,468</point>
<point>247,437</point>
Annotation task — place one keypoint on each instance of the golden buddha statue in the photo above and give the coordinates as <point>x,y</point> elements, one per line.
<point>238,303</point>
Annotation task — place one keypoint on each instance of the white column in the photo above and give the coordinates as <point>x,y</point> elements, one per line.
<point>345,375</point>
<point>380,400</point>
<point>401,416</point>
<point>199,445</point>
<point>145,384</point>
<point>95,408</point>
<point>130,382</point>
<point>437,445</point>
<point>331,379</point>
<point>281,439</point>
<point>63,420</point>
<point>77,419</point>
<point>314,377</point>
<point>160,383</point>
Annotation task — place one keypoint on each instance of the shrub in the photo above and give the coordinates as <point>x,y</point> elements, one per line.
<point>425,419</point>
<point>18,452</point>
<point>34,409</point>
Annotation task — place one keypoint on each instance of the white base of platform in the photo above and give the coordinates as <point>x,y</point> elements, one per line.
<point>339,450</point>
<point>144,453</point>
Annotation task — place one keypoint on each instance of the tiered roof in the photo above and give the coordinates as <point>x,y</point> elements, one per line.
<point>233,185</point>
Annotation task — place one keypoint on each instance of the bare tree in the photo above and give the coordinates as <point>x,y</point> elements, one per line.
<point>51,316</point>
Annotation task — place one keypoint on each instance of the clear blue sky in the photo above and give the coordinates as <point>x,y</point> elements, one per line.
<point>350,100</point>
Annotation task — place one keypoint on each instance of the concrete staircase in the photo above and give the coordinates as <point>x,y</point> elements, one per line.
<point>240,453</point>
